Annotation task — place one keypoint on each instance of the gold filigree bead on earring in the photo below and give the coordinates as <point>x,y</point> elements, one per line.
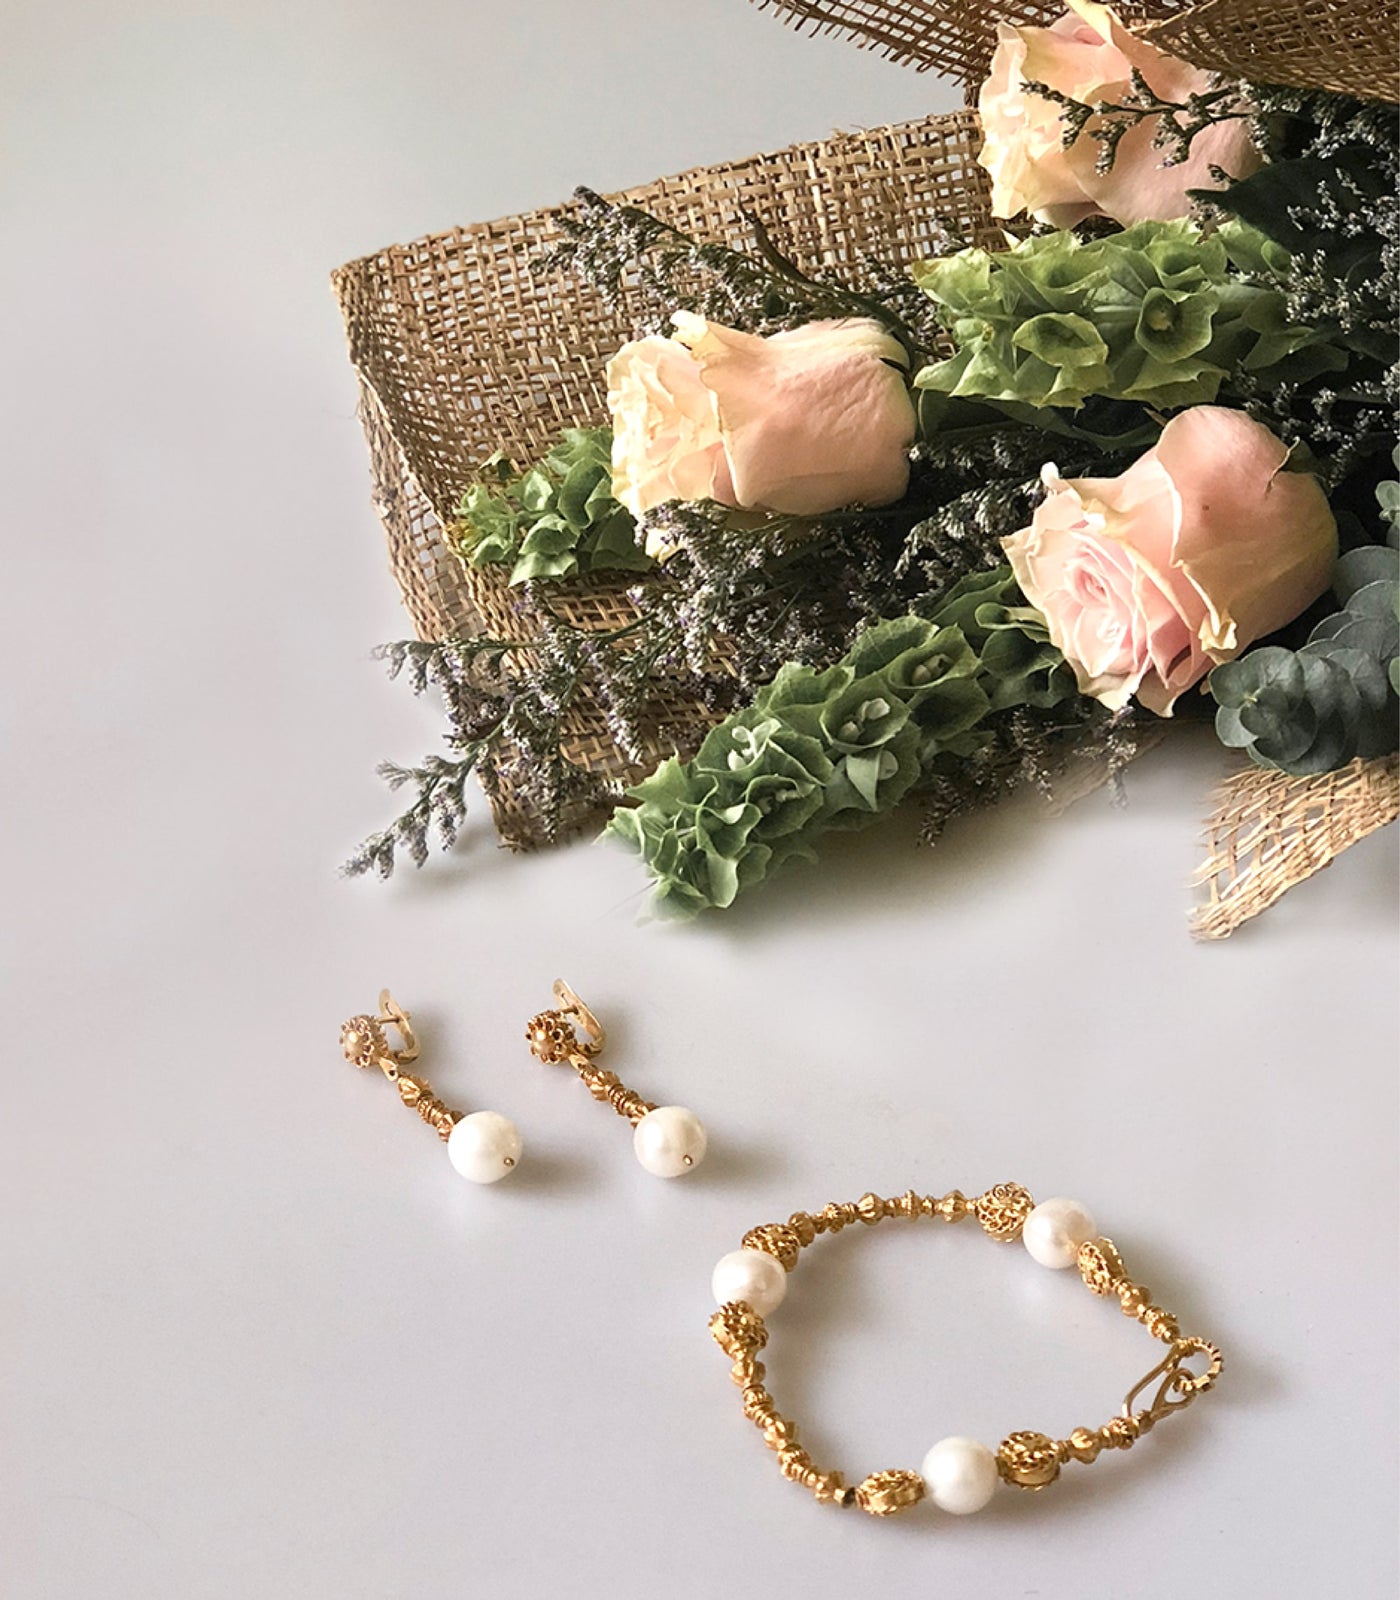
<point>483,1146</point>
<point>669,1141</point>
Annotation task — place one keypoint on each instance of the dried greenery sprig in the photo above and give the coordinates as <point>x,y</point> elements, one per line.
<point>1179,122</point>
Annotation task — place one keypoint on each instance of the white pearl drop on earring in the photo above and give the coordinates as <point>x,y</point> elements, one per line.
<point>1055,1230</point>
<point>961,1475</point>
<point>752,1276</point>
<point>670,1141</point>
<point>484,1146</point>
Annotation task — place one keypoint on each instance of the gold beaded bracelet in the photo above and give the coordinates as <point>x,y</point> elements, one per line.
<point>959,1475</point>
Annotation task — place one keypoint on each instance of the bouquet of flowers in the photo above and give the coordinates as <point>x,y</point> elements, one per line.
<point>1096,427</point>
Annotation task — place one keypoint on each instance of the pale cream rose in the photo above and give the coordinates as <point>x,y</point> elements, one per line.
<point>801,422</point>
<point>1089,56</point>
<point>1205,544</point>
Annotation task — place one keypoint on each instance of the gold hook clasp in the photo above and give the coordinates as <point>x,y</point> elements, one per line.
<point>1178,1385</point>
<point>571,1006</point>
<point>392,1013</point>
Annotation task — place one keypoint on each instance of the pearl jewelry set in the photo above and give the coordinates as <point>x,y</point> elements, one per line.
<point>958,1475</point>
<point>484,1146</point>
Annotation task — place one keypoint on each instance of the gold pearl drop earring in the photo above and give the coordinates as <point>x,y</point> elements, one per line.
<point>669,1141</point>
<point>483,1146</point>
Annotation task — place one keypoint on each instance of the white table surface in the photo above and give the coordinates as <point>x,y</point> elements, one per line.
<point>257,1341</point>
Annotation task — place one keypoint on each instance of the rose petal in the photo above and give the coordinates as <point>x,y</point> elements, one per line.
<point>812,419</point>
<point>1257,543</point>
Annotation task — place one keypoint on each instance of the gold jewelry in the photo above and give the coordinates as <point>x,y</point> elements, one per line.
<point>483,1146</point>
<point>669,1141</point>
<point>959,1475</point>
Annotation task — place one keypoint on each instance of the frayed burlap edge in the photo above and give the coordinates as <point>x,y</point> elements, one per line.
<point>1348,46</point>
<point>1270,831</point>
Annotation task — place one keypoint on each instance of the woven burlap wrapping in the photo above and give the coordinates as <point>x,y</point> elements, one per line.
<point>463,349</point>
<point>1348,46</point>
<point>1270,831</point>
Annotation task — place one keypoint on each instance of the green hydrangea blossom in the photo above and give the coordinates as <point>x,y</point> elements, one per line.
<point>835,749</point>
<point>1159,314</point>
<point>555,520</point>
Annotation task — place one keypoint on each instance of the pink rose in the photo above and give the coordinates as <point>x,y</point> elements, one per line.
<point>1203,545</point>
<point>800,422</point>
<point>1089,55</point>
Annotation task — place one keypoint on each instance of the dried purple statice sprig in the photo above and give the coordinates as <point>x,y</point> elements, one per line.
<point>1179,122</point>
<point>645,269</point>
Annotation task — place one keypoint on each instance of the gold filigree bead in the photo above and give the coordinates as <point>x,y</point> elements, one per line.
<point>1029,1460</point>
<point>1100,1266</point>
<point>870,1208</point>
<point>803,1227</point>
<point>550,1037</point>
<point>1003,1210</point>
<point>738,1329</point>
<point>883,1494</point>
<point>776,1239</point>
<point>363,1042</point>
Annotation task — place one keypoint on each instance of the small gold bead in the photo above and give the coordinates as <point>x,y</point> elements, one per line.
<point>780,1432</point>
<point>1119,1433</point>
<point>757,1402</point>
<point>845,1495</point>
<point>954,1206</point>
<point>828,1486</point>
<point>793,1461</point>
<point>883,1494</point>
<point>1003,1210</point>
<point>803,1226</point>
<point>1085,1444</point>
<point>1161,1324</point>
<point>1133,1298</point>
<point>1029,1460</point>
<point>871,1208</point>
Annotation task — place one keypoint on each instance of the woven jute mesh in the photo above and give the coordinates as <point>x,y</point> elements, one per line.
<point>1270,831</point>
<point>463,348</point>
<point>1348,46</point>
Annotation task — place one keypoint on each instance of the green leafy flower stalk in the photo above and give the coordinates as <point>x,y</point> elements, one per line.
<point>556,520</point>
<point>818,750</point>
<point>1160,314</point>
<point>1315,709</point>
